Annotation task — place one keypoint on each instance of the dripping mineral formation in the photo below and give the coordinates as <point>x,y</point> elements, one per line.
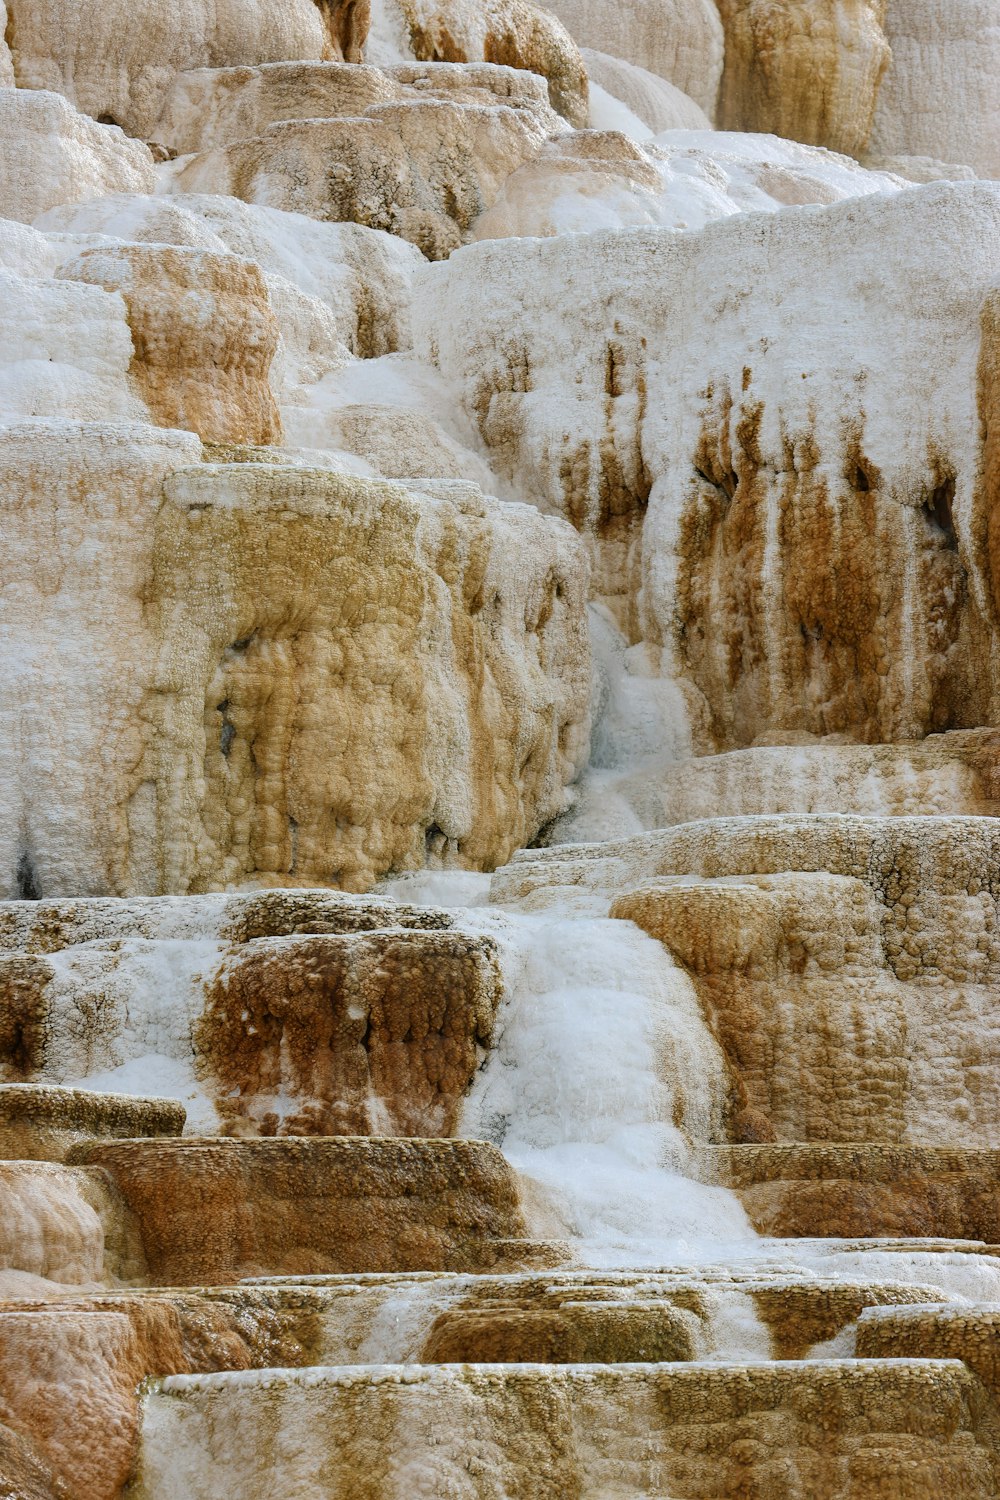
<point>500,750</point>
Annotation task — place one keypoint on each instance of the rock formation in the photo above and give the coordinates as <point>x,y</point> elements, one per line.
<point>807,70</point>
<point>499,629</point>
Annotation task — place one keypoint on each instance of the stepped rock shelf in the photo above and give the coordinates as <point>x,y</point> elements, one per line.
<point>500,750</point>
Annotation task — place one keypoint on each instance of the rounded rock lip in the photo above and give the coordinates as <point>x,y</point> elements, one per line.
<point>89,1110</point>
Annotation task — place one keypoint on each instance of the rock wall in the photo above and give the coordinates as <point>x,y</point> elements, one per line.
<point>804,554</point>
<point>810,71</point>
<point>232,581</point>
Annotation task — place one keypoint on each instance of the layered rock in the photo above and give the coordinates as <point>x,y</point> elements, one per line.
<point>242,607</point>
<point>945,774</point>
<point>891,1045</point>
<point>514,33</point>
<point>863,1191</point>
<point>210,1210</point>
<point>419,155</point>
<point>358,1020</point>
<point>39,1122</point>
<point>912,1428</point>
<point>809,529</point>
<point>340,292</point>
<point>809,71</point>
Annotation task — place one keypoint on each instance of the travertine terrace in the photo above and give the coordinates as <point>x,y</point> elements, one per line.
<point>500,750</point>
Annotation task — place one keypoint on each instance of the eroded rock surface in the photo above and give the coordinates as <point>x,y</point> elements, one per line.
<point>810,71</point>
<point>235,587</point>
<point>812,552</point>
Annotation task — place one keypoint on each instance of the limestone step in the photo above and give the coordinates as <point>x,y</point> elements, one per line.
<point>936,1331</point>
<point>208,107</point>
<point>953,773</point>
<point>286,1012</point>
<point>851,1429</point>
<point>213,1210</point>
<point>109,1343</point>
<point>862,1190</point>
<point>40,1122</point>
<point>847,965</point>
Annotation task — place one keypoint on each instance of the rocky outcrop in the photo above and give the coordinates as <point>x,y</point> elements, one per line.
<point>861,1191</point>
<point>39,1122</point>
<point>51,154</point>
<point>420,159</point>
<point>203,335</point>
<point>809,71</point>
<point>515,33</point>
<point>116,63</point>
<point>234,586</point>
<point>850,996</point>
<point>944,774</point>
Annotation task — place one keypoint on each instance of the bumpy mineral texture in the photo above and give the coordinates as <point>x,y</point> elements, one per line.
<point>797,530</point>
<point>809,70</point>
<point>247,713</point>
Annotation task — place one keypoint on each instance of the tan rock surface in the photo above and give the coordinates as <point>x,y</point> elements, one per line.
<point>515,33</point>
<point>808,69</point>
<point>852,1006</point>
<point>371,1035</point>
<point>209,107</point>
<point>204,336</point>
<point>230,594</point>
<point>216,1210</point>
<point>945,774</point>
<point>60,1224</point>
<point>420,168</point>
<point>39,1122</point>
<point>935,1332</point>
<point>827,1191</point>
<point>913,1429</point>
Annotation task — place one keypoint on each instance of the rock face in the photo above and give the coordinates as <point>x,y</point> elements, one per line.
<point>933,1416</point>
<point>867,972</point>
<point>203,334</point>
<point>515,33</point>
<point>912,117</point>
<point>117,63</point>
<point>215,1211</point>
<point>224,691</point>
<point>52,155</point>
<point>809,71</point>
<point>417,163</point>
<point>767,531</point>
<point>40,1122</point>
